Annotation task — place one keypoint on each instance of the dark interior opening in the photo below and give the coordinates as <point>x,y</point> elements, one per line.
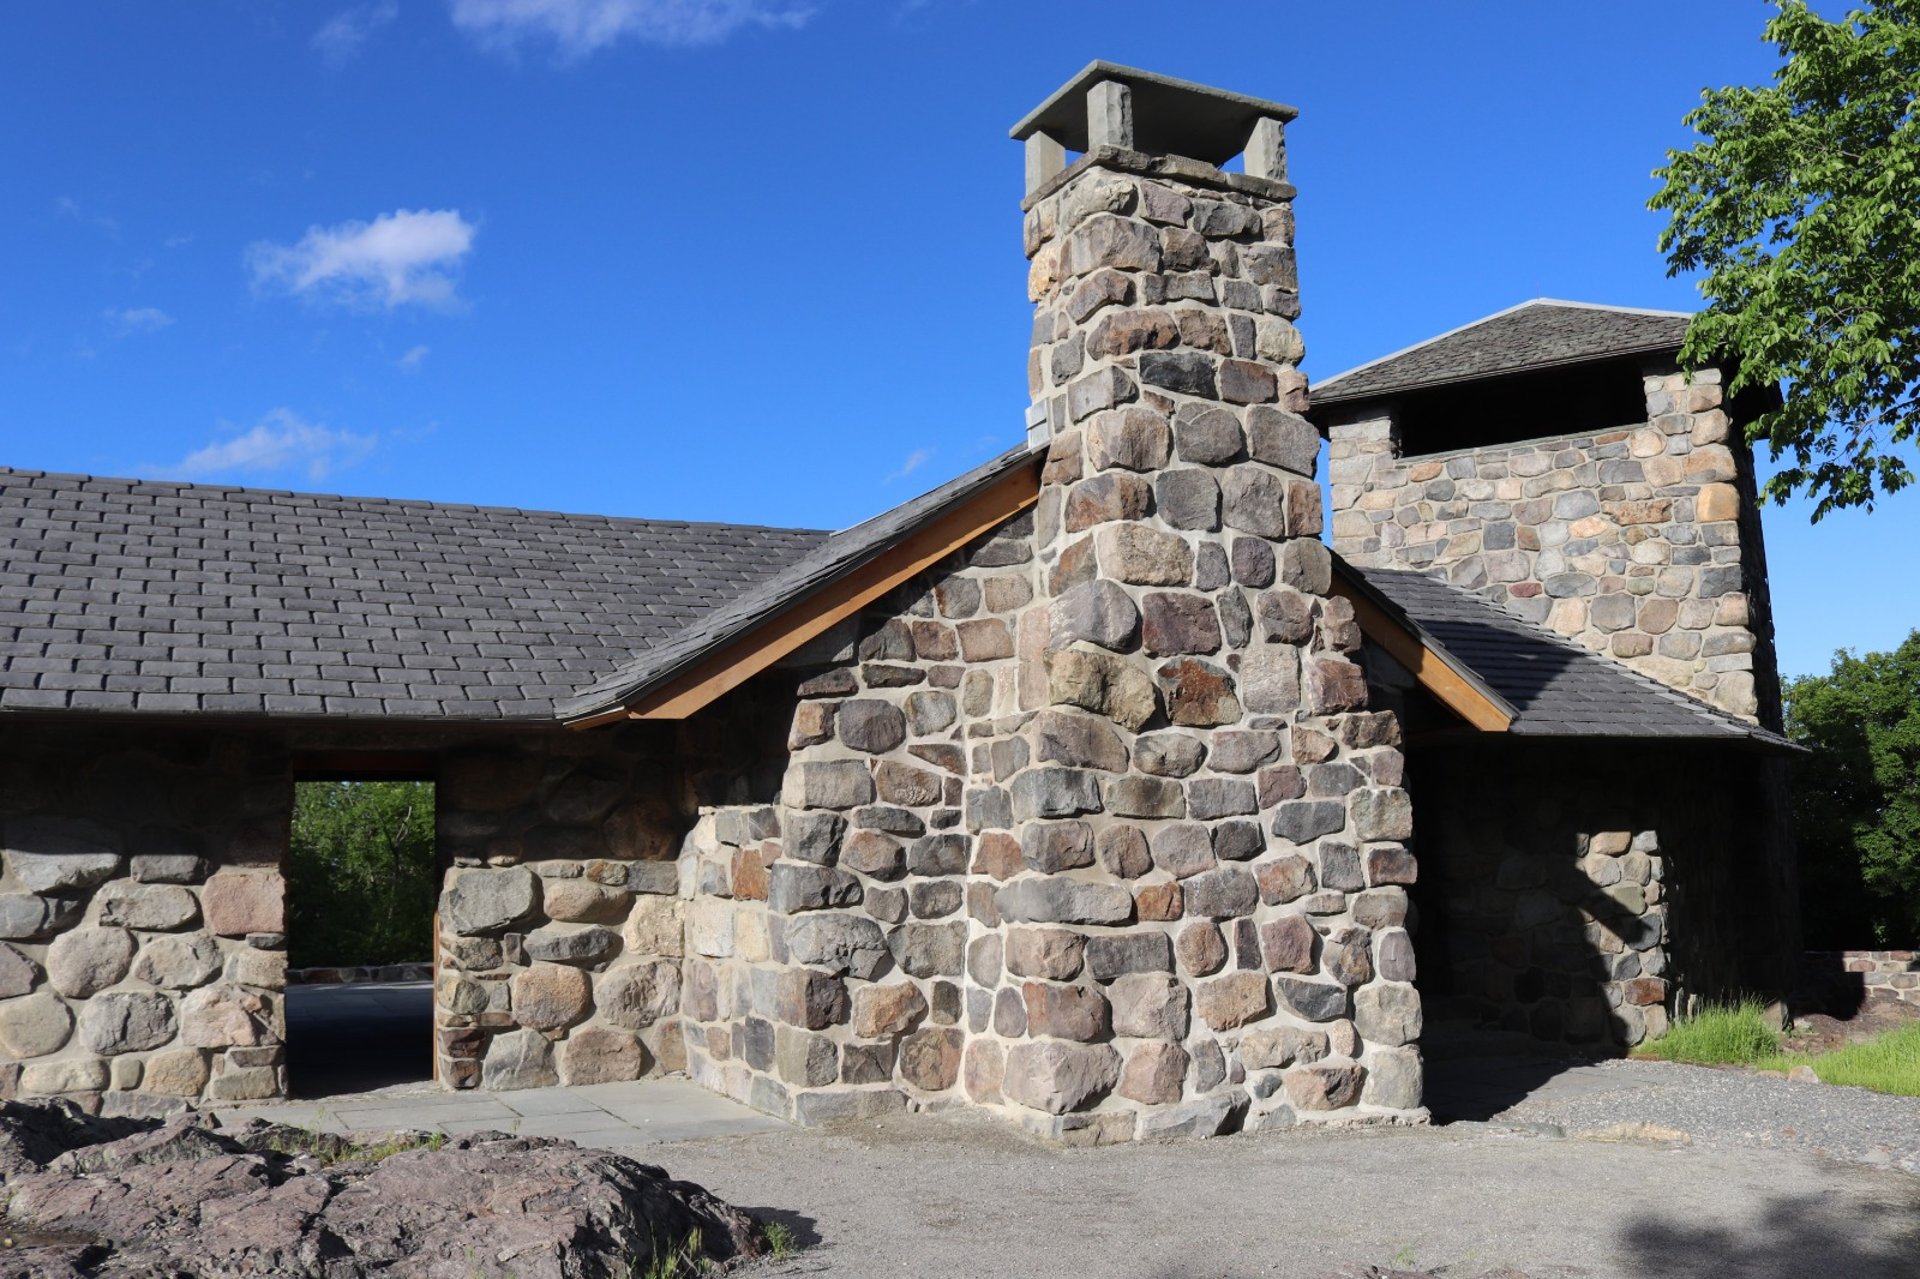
<point>363,877</point>
<point>1571,400</point>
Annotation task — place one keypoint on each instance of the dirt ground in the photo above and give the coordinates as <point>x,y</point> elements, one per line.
<point>938,1196</point>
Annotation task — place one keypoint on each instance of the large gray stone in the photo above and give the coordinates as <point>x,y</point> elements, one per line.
<point>26,917</point>
<point>813,836</point>
<point>1099,612</point>
<point>124,1021</point>
<point>1056,1076</point>
<point>840,942</point>
<point>86,961</point>
<point>835,783</point>
<point>870,725</point>
<point>1393,1079</point>
<point>34,1025</point>
<point>572,944</point>
<point>931,950</point>
<point>18,974</point>
<point>1054,792</point>
<point>1313,1000</point>
<point>1387,1013</point>
<point>1225,892</point>
<point>1078,740</point>
<point>1052,900</point>
<point>519,1059</point>
<point>62,872</point>
<point>479,902</point>
<point>149,907</point>
<point>796,886</point>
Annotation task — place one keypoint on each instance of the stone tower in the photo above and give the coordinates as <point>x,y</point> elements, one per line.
<point>1207,819</point>
<point>1608,497</point>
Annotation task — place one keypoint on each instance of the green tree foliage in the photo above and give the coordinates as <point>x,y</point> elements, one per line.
<point>1857,798</point>
<point>1801,204</point>
<point>361,878</point>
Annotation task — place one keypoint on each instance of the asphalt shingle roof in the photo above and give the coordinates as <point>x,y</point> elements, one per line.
<point>1554,687</point>
<point>837,556</point>
<point>1539,334</point>
<point>132,595</point>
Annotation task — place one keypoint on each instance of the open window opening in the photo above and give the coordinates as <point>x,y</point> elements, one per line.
<point>363,878</point>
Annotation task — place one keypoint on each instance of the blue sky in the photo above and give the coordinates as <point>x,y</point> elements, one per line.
<point>759,260</point>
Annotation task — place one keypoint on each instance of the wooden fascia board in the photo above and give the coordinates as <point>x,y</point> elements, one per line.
<point>782,633</point>
<point>1429,669</point>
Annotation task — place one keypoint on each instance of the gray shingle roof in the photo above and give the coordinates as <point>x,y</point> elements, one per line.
<point>1539,334</point>
<point>834,558</point>
<point>1554,687</point>
<point>133,595</point>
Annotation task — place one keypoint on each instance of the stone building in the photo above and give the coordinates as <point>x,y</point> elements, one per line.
<point>1092,788</point>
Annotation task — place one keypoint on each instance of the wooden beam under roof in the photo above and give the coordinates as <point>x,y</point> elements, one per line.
<point>782,633</point>
<point>1430,668</point>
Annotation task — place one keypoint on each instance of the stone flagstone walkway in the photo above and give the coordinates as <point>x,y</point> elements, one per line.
<point>604,1115</point>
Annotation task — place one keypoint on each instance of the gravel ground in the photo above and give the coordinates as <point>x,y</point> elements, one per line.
<point>938,1196</point>
<point>1730,1108</point>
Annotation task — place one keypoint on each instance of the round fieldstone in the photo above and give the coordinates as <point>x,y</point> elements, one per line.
<point>598,1055</point>
<point>1387,1014</point>
<point>149,907</point>
<point>88,960</point>
<point>479,902</point>
<point>18,974</point>
<point>572,944</point>
<point>519,1059</point>
<point>867,724</point>
<point>62,872</point>
<point>930,1058</point>
<point>127,1021</point>
<point>179,963</point>
<point>27,917</point>
<point>34,1025</point>
<point>636,996</point>
<point>226,1017</point>
<point>551,996</point>
<point>581,901</point>
<point>181,1073</point>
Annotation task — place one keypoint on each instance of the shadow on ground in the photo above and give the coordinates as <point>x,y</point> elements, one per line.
<point>354,1039</point>
<point>1801,1235</point>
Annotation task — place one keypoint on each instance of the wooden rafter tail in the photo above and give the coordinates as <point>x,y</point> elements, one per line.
<point>786,631</point>
<point>1428,668</point>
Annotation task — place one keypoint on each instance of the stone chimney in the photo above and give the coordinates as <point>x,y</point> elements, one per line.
<point>1206,906</point>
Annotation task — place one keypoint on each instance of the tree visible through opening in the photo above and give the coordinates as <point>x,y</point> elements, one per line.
<point>363,877</point>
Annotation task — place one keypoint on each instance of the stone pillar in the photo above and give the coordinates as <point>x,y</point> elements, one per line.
<point>1204,924</point>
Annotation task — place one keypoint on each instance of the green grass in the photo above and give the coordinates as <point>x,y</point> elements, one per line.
<point>779,1240</point>
<point>1728,1035</point>
<point>1738,1035</point>
<point>1889,1063</point>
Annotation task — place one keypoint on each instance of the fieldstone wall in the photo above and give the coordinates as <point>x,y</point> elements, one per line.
<point>142,945</point>
<point>1642,543</point>
<point>836,905</point>
<point>1203,904</point>
<point>1882,974</point>
<point>1578,896</point>
<point>560,923</point>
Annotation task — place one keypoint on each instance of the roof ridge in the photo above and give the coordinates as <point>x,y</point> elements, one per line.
<point>406,503</point>
<point>1329,383</point>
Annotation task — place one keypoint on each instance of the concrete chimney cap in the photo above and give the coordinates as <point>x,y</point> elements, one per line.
<point>1170,117</point>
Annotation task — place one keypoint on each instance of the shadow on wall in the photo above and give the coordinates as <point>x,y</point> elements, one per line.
<point>1803,1235</point>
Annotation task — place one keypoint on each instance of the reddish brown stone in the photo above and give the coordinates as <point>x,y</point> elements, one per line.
<point>1311,746</point>
<point>1178,622</point>
<point>749,875</point>
<point>1108,497</point>
<point>879,1011</point>
<point>1245,382</point>
<point>1064,464</point>
<point>1044,952</point>
<point>1124,332</point>
<point>1645,990</point>
<point>812,724</point>
<point>1065,1012</point>
<point>1155,1073</point>
<point>874,853</point>
<point>1284,879</point>
<point>1324,1087</point>
<point>1199,694</point>
<point>1280,783</point>
<point>905,785</point>
<point>1233,1000</point>
<point>934,642</point>
<point>1201,948</point>
<point>985,1067</point>
<point>1334,684</point>
<point>236,903</point>
<point>1157,901</point>
<point>985,639</point>
<point>1287,944</point>
<point>930,1058</point>
<point>810,999</point>
<point>1123,852</point>
<point>996,854</point>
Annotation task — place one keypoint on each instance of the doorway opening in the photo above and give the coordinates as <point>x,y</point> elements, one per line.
<point>363,879</point>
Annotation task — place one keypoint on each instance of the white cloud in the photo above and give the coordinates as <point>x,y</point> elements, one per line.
<point>413,359</point>
<point>915,460</point>
<point>68,207</point>
<point>279,442</point>
<point>409,255</point>
<point>579,27</point>
<point>342,35</point>
<point>137,319</point>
